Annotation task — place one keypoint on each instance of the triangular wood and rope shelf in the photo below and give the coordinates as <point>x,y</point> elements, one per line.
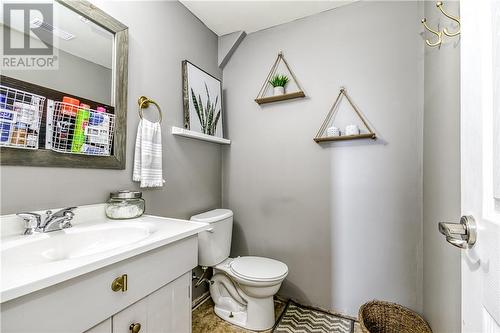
<point>320,137</point>
<point>284,97</point>
<point>262,98</point>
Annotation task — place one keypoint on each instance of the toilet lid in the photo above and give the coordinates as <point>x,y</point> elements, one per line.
<point>258,268</point>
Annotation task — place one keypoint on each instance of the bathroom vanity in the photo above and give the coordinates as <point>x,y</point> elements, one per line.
<point>99,275</point>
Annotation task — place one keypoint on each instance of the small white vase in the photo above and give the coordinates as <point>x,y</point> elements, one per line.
<point>279,91</point>
<point>352,130</point>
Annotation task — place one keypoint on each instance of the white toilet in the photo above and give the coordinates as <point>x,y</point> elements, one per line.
<point>241,288</point>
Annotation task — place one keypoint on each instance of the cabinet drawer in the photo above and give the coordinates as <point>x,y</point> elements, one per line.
<point>80,303</point>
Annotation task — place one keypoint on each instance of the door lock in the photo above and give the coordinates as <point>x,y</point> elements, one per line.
<point>462,235</point>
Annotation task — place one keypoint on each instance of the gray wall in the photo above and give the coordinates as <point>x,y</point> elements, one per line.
<point>192,169</point>
<point>441,176</point>
<point>346,217</point>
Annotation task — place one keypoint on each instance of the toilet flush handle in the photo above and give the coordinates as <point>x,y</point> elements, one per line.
<point>210,230</point>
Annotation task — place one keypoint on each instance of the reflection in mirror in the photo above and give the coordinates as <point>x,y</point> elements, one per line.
<point>84,52</point>
<point>81,90</point>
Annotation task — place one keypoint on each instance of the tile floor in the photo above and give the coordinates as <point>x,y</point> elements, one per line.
<point>205,320</point>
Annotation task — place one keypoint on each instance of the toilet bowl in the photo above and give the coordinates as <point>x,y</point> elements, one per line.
<point>242,288</point>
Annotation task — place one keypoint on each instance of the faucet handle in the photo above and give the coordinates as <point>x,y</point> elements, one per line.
<point>30,217</point>
<point>68,215</point>
<point>31,221</point>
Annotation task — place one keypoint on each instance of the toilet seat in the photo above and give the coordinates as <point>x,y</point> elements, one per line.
<point>258,269</point>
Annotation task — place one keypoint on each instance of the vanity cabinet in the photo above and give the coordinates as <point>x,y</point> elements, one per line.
<point>157,295</point>
<point>166,310</point>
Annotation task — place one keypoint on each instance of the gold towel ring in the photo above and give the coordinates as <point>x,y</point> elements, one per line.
<point>144,102</point>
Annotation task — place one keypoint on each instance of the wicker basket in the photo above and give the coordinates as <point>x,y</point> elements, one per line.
<point>385,317</point>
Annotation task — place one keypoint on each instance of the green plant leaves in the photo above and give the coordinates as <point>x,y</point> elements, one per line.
<point>279,80</point>
<point>206,113</point>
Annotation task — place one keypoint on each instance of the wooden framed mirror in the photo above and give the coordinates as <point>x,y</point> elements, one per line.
<point>92,56</point>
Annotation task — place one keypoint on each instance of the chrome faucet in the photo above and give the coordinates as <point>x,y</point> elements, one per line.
<point>52,222</point>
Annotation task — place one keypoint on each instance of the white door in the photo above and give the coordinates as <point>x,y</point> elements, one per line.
<point>480,155</point>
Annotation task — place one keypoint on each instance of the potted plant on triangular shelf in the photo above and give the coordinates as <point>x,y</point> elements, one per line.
<point>279,82</point>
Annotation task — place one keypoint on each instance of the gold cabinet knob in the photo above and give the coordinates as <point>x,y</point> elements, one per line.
<point>135,327</point>
<point>120,284</point>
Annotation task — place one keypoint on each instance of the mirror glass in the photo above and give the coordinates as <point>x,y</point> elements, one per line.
<point>82,49</point>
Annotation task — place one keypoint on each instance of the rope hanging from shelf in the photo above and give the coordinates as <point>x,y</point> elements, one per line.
<point>333,110</point>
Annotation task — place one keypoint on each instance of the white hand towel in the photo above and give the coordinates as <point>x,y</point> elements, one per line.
<point>147,159</point>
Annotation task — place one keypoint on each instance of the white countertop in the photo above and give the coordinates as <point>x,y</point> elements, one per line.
<point>23,272</point>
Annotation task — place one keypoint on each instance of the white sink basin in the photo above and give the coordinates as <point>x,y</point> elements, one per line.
<point>72,243</point>
<point>33,262</point>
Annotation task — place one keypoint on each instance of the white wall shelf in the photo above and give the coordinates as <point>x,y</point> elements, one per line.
<point>199,136</point>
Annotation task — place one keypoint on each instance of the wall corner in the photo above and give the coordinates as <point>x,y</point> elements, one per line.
<point>227,45</point>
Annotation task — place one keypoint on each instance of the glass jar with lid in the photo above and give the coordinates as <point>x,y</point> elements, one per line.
<point>123,205</point>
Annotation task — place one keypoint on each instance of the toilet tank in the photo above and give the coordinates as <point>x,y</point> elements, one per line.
<point>214,244</point>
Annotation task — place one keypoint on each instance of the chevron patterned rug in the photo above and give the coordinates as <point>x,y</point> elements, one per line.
<point>300,319</point>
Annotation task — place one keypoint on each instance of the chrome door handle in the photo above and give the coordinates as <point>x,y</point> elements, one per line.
<point>460,243</point>
<point>462,235</point>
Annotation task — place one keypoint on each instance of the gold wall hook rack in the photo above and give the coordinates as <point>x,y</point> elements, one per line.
<point>439,5</point>
<point>445,31</point>
<point>438,34</point>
